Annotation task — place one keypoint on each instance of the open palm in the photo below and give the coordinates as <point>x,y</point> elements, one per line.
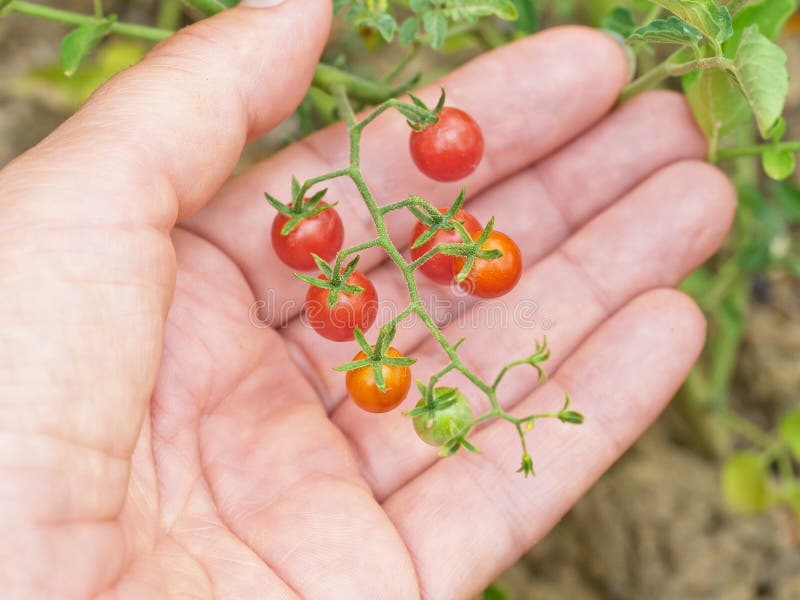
<point>159,440</point>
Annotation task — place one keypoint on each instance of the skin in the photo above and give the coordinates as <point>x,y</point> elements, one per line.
<point>450,149</point>
<point>365,393</point>
<point>440,267</point>
<point>155,442</point>
<point>321,234</point>
<point>492,278</point>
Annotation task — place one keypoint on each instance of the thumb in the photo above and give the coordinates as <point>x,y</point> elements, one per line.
<point>86,219</point>
<point>156,141</point>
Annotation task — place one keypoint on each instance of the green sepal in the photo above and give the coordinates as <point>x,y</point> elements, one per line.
<point>362,341</point>
<point>353,365</point>
<point>377,375</point>
<point>278,205</point>
<point>315,281</point>
<point>324,267</point>
<point>295,189</point>
<point>398,361</point>
<point>570,416</point>
<point>526,468</point>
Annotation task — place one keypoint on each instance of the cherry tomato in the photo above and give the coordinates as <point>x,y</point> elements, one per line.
<point>450,149</point>
<point>350,311</point>
<point>321,234</point>
<point>440,267</point>
<point>441,425</point>
<point>491,278</point>
<point>364,391</point>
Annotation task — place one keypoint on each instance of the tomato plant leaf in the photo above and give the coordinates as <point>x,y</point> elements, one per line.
<point>778,164</point>
<point>744,482</point>
<point>716,101</point>
<point>435,26</point>
<point>761,73</point>
<point>789,430</point>
<point>79,42</point>
<point>408,30</point>
<point>620,20</point>
<point>712,20</point>
<point>470,10</point>
<point>671,30</point>
<point>769,16</point>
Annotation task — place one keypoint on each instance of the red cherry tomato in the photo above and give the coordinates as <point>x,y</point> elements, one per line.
<point>490,278</point>
<point>450,149</point>
<point>440,267</point>
<point>365,392</point>
<point>350,311</point>
<point>321,234</point>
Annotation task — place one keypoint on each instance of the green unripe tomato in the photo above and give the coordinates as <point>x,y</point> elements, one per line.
<point>450,417</point>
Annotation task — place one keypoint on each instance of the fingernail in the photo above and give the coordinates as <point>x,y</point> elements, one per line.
<point>260,3</point>
<point>629,54</point>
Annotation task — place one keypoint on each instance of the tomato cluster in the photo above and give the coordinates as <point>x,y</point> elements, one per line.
<point>341,302</point>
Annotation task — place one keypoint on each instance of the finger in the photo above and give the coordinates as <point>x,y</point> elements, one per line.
<point>620,379</point>
<point>652,238</point>
<point>86,215</point>
<point>539,207</point>
<point>572,77</point>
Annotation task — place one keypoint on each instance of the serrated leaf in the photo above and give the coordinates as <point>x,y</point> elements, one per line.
<point>671,30</point>
<point>712,20</point>
<point>408,30</point>
<point>744,482</point>
<point>761,72</point>
<point>620,20</point>
<point>778,164</point>
<point>469,10</point>
<point>79,42</point>
<point>789,430</point>
<point>435,26</point>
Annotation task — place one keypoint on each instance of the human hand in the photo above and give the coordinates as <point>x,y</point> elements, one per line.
<point>156,443</point>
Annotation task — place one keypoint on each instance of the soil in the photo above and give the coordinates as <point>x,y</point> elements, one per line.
<point>654,527</point>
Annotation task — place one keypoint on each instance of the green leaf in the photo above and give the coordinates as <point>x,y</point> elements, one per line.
<point>716,101</point>
<point>778,164</point>
<point>789,430</point>
<point>408,30</point>
<point>418,5</point>
<point>385,25</point>
<point>769,16</point>
<point>436,27</point>
<point>79,42</point>
<point>527,21</point>
<point>671,30</point>
<point>620,20</point>
<point>761,72</point>
<point>744,482</point>
<point>712,20</point>
<point>469,10</point>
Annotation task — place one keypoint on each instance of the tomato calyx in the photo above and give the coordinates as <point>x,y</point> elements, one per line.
<point>334,280</point>
<point>472,250</point>
<point>421,116</point>
<point>377,356</point>
<point>300,207</point>
<point>438,221</point>
<point>443,417</point>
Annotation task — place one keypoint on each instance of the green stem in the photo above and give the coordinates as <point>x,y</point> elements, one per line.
<point>757,149</point>
<point>668,69</point>
<point>41,11</point>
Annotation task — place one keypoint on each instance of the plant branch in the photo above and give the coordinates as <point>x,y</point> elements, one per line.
<point>756,149</point>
